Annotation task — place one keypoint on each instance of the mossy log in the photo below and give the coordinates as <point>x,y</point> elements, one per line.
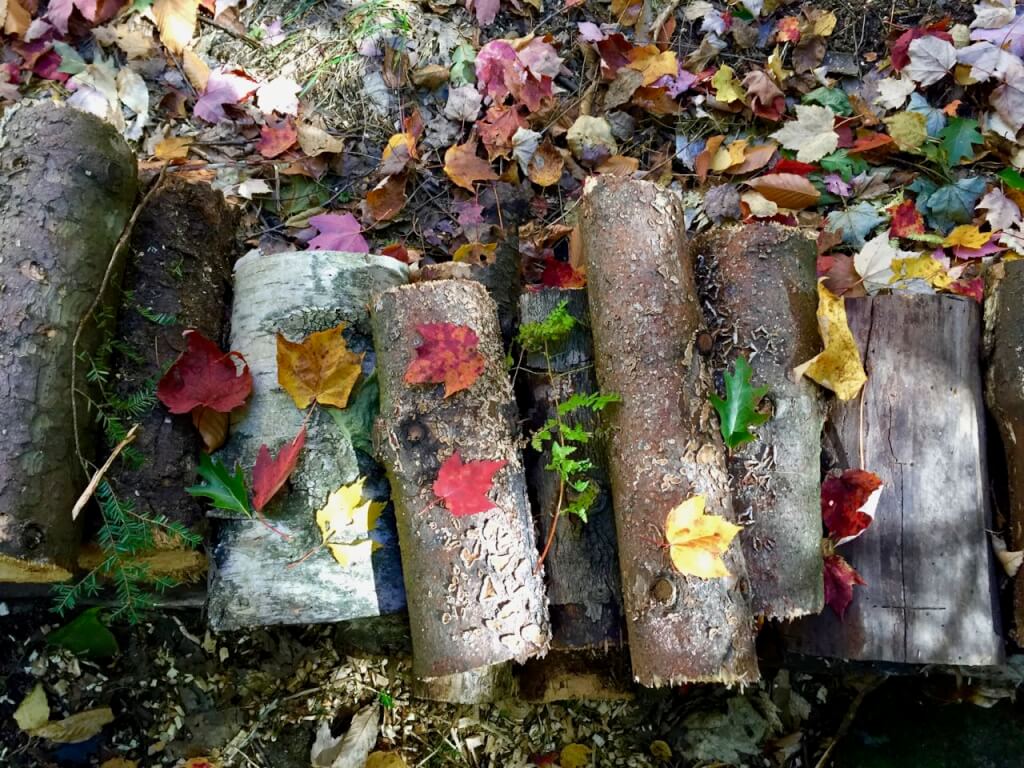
<point>663,444</point>
<point>67,190</point>
<point>475,598</point>
<point>919,424</point>
<point>758,284</point>
<point>253,579</point>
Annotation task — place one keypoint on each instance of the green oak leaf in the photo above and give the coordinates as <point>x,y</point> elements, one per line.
<point>738,411</point>
<point>958,138</point>
<point>225,491</point>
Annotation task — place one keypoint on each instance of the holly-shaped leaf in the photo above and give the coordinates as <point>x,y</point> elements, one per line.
<point>738,412</point>
<point>321,368</point>
<point>697,541</point>
<point>270,474</point>
<point>346,522</point>
<point>840,578</point>
<point>224,490</point>
<point>463,487</point>
<point>959,138</point>
<point>448,355</point>
<point>204,376</point>
<point>848,503</point>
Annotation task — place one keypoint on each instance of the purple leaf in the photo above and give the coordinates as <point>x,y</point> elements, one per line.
<point>835,184</point>
<point>338,232</point>
<point>225,86</point>
<point>59,11</point>
<point>486,10</point>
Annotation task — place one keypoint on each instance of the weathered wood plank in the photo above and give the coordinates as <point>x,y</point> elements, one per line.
<point>919,425</point>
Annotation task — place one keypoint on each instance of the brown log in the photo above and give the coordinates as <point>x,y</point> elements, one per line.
<point>581,567</point>
<point>1004,380</point>
<point>67,185</point>
<point>759,287</point>
<point>919,425</point>
<point>474,598</point>
<point>664,447</point>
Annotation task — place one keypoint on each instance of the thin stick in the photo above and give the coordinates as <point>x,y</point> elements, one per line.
<point>851,713</point>
<point>90,489</point>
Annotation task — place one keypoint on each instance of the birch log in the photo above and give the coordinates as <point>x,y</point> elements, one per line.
<point>474,598</point>
<point>253,581</point>
<point>759,280</point>
<point>664,448</point>
<point>919,425</point>
<point>68,184</point>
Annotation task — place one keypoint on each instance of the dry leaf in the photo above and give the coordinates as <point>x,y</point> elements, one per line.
<point>812,134</point>
<point>697,541</point>
<point>176,21</point>
<point>346,515</point>
<point>320,368</point>
<point>464,167</point>
<point>546,165</point>
<point>314,140</point>
<point>788,190</point>
<point>76,728</point>
<point>172,148</point>
<point>838,367</point>
<point>34,710</point>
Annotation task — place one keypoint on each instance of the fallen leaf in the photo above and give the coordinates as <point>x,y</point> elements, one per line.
<point>346,521</point>
<point>848,503</point>
<point>931,58</point>
<point>34,710</point>
<point>727,87</point>
<point>893,92</point>
<point>338,232</point>
<point>350,750</point>
<point>464,167</point>
<point>590,139</point>
<point>652,63</point>
<point>840,578</point>
<point>476,253</point>
<point>812,134</point>
<point>386,760</point>
<point>959,139</point>
<point>225,86</point>
<point>755,158</point>
<point>908,130</point>
<point>17,20</point>
<point>874,262</point>
<point>546,165</point>
<point>76,728</point>
<point>224,490</point>
<point>759,205</point>
<point>906,220</point>
<point>855,222</point>
<point>314,140</point>
<point>574,756</point>
<point>924,268</point>
<point>270,474</point>
<point>279,95</point>
<point>1001,211</point>
<point>204,376</point>
<point>387,199</point>
<point>276,137</point>
<point>172,148</point>
<point>448,355</point>
<point>697,540</point>
<point>176,21</point>
<point>737,413</point>
<point>58,12</point>
<point>787,190</point>
<point>766,99</point>
<point>967,236</point>
<point>463,487</point>
<point>320,368</point>
<point>838,367</point>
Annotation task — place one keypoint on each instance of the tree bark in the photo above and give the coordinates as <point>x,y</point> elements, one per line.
<point>582,563</point>
<point>474,597</point>
<point>919,425</point>
<point>252,580</point>
<point>664,448</point>
<point>760,294</point>
<point>1004,348</point>
<point>67,189</point>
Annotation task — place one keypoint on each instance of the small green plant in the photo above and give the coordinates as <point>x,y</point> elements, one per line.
<point>386,699</point>
<point>562,435</point>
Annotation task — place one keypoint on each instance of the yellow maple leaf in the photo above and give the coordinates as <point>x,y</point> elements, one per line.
<point>779,72</point>
<point>838,367</point>
<point>697,541</point>
<point>346,515</point>
<point>967,236</point>
<point>922,267</point>
<point>654,64</point>
<point>727,87</point>
<point>320,368</point>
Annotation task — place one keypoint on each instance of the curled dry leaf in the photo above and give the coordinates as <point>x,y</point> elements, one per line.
<point>697,540</point>
<point>321,368</point>
<point>546,165</point>
<point>838,367</point>
<point>848,503</point>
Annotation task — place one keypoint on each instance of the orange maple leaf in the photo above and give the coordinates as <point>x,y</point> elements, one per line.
<point>697,541</point>
<point>320,368</point>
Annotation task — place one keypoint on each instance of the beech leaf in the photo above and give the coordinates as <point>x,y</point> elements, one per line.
<point>848,503</point>
<point>321,368</point>
<point>838,367</point>
<point>204,376</point>
<point>463,487</point>
<point>697,540</point>
<point>738,413</point>
<point>270,474</point>
<point>448,355</point>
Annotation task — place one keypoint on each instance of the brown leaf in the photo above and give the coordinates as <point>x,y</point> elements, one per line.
<point>212,426</point>
<point>787,190</point>
<point>656,101</point>
<point>703,162</point>
<point>321,368</point>
<point>546,165</point>
<point>387,199</point>
<point>464,167</point>
<point>314,140</point>
<point>173,148</point>
<point>756,158</point>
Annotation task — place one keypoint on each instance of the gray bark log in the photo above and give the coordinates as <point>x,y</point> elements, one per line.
<point>67,184</point>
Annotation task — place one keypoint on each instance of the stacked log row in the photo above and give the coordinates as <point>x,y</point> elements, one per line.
<point>69,182</point>
<point>929,594</point>
<point>760,282</point>
<point>253,581</point>
<point>475,599</point>
<point>663,446</point>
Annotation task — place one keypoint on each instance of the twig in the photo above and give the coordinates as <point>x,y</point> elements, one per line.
<point>851,713</point>
<point>250,41</point>
<point>661,18</point>
<point>90,489</point>
<point>104,284</point>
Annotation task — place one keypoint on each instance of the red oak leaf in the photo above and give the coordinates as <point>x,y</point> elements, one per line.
<point>848,503</point>
<point>906,220</point>
<point>276,136</point>
<point>464,487</point>
<point>447,355</point>
<point>839,580</point>
<point>338,232</point>
<point>268,475</point>
<point>204,376</point>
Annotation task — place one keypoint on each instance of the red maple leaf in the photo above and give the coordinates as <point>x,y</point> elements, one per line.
<point>204,376</point>
<point>338,232</point>
<point>464,487</point>
<point>848,503</point>
<point>448,355</point>
<point>906,220</point>
<point>277,136</point>
<point>899,54</point>
<point>786,165</point>
<point>269,474</point>
<point>560,274</point>
<point>840,577</point>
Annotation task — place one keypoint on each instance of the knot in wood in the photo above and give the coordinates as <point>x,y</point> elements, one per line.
<point>664,591</point>
<point>32,537</point>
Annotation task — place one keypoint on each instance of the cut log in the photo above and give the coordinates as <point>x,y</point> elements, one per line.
<point>474,597</point>
<point>1004,350</point>
<point>919,425</point>
<point>68,185</point>
<point>252,579</point>
<point>179,268</point>
<point>663,445</point>
<point>581,567</point>
<point>577,675</point>
<point>759,288</point>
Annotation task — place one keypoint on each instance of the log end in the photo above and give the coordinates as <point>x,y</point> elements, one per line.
<point>478,686</point>
<point>16,570</point>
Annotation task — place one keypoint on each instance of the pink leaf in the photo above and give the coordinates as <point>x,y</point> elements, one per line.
<point>338,232</point>
<point>486,10</point>
<point>225,86</point>
<point>59,12</point>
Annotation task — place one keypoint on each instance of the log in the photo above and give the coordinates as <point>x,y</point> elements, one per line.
<point>1004,389</point>
<point>760,282</point>
<point>574,675</point>
<point>66,195</point>
<point>179,266</point>
<point>475,599</point>
<point>919,425</point>
<point>252,581</point>
<point>663,445</point>
<point>581,567</point>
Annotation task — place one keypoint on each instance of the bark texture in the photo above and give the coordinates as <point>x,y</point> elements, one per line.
<point>252,582</point>
<point>1004,346</point>
<point>67,189</point>
<point>475,599</point>
<point>582,566</point>
<point>919,425</point>
<point>759,289</point>
<point>179,264</point>
<point>664,446</point>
